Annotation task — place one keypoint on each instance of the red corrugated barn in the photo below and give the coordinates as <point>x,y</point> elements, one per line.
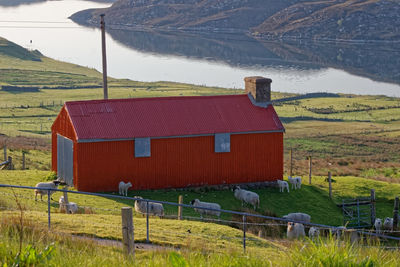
<point>169,142</point>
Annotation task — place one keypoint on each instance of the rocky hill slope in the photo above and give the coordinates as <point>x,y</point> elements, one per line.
<point>331,19</point>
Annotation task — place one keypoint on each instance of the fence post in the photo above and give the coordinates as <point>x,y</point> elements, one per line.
<point>309,169</point>
<point>180,200</point>
<point>10,164</point>
<point>5,152</point>
<point>244,233</point>
<point>127,231</point>
<point>330,184</point>
<point>291,162</point>
<point>395,213</point>
<point>373,209</point>
<point>48,206</point>
<point>23,160</point>
<point>147,222</point>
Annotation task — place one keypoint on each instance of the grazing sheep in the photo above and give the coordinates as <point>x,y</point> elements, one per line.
<point>51,185</point>
<point>338,231</point>
<point>293,182</point>
<point>298,216</point>
<point>282,185</point>
<point>247,196</point>
<point>313,233</point>
<point>295,230</point>
<point>123,188</point>
<point>378,225</point>
<point>298,182</point>
<point>388,223</point>
<point>72,206</point>
<point>155,209</point>
<point>198,203</point>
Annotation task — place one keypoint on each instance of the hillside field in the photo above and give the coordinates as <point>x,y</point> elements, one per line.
<point>354,137</point>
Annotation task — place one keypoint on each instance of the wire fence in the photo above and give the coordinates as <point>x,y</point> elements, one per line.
<point>269,222</point>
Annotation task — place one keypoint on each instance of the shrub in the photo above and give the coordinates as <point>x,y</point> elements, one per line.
<point>51,176</point>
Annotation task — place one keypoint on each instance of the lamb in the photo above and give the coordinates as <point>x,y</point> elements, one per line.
<point>293,182</point>
<point>123,188</point>
<point>198,203</point>
<point>247,196</point>
<point>282,185</point>
<point>338,231</point>
<point>299,217</point>
<point>313,233</point>
<point>72,206</point>
<point>295,230</point>
<point>298,182</point>
<point>378,225</point>
<point>388,223</point>
<point>51,185</point>
<point>155,209</point>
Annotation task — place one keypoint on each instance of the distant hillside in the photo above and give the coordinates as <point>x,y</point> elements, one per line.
<point>364,20</point>
<point>10,49</point>
<point>12,3</point>
<point>333,19</point>
<point>216,15</point>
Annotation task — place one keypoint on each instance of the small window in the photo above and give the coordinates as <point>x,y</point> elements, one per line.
<point>142,147</point>
<point>222,142</point>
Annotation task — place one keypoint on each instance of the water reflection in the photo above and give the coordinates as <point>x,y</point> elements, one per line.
<point>380,62</point>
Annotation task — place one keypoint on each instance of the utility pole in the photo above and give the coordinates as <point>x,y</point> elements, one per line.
<point>103,45</point>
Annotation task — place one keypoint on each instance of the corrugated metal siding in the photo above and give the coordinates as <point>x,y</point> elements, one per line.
<point>63,126</point>
<point>65,159</point>
<point>179,162</point>
<point>169,116</point>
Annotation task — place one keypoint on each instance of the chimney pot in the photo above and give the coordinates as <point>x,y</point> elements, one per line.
<point>259,87</point>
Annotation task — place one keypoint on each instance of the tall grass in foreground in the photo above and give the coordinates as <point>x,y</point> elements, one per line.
<point>334,253</point>
<point>51,249</point>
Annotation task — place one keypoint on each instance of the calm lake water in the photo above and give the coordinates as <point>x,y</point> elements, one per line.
<point>207,59</point>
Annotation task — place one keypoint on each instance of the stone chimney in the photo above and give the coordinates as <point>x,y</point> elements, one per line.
<point>259,87</point>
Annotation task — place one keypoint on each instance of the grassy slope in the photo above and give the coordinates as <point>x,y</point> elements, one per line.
<point>310,199</point>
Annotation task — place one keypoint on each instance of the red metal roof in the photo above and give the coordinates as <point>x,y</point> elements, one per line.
<point>169,116</point>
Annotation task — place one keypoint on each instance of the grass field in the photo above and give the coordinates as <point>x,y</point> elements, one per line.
<point>197,243</point>
<point>312,199</point>
<point>348,135</point>
<point>53,249</point>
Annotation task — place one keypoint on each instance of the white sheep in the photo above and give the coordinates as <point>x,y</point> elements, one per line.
<point>299,217</point>
<point>298,182</point>
<point>295,230</point>
<point>72,206</point>
<point>378,225</point>
<point>198,203</point>
<point>247,196</point>
<point>282,185</point>
<point>51,185</point>
<point>388,223</point>
<point>313,233</point>
<point>293,182</point>
<point>155,209</point>
<point>338,231</point>
<point>123,188</point>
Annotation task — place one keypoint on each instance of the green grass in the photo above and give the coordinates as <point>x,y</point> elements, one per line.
<point>66,250</point>
<point>310,199</point>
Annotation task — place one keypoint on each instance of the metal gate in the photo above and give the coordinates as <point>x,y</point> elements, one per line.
<point>65,159</point>
<point>357,212</point>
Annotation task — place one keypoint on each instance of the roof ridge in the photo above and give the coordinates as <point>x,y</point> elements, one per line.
<point>165,98</point>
